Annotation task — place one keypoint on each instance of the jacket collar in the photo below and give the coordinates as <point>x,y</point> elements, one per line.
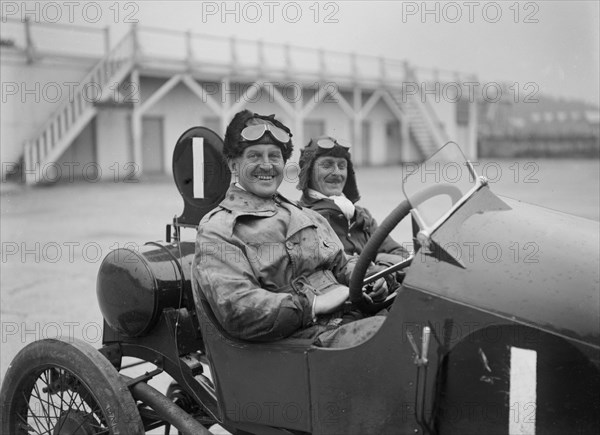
<point>328,204</point>
<point>243,202</point>
<point>317,204</point>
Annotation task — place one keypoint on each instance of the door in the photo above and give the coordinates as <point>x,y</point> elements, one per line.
<point>394,142</point>
<point>365,143</point>
<point>153,159</point>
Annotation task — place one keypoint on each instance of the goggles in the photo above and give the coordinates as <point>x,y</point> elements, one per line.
<point>255,132</point>
<point>326,143</point>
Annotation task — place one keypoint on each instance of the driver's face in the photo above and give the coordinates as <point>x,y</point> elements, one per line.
<point>260,169</point>
<point>329,175</point>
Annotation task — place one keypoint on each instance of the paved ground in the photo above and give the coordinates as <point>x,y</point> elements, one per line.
<point>54,238</point>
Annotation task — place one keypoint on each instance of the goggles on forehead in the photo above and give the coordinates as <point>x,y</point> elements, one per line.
<point>255,132</point>
<point>327,143</point>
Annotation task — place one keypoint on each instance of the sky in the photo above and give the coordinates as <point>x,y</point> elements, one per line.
<point>546,47</point>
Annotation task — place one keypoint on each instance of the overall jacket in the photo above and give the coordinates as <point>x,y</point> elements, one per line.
<point>354,235</point>
<point>252,258</point>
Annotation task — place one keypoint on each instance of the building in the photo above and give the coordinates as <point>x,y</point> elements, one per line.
<point>542,127</point>
<point>117,111</point>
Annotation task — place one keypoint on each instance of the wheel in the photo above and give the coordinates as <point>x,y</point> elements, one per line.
<point>59,387</point>
<point>385,228</point>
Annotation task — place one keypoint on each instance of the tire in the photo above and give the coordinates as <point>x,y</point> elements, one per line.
<point>61,387</point>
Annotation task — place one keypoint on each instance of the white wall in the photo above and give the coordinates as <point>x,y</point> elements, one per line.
<point>78,161</point>
<point>180,109</point>
<point>113,143</point>
<point>30,94</point>
<point>379,116</point>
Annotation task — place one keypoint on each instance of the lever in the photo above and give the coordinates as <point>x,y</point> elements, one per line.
<point>425,345</point>
<point>420,357</point>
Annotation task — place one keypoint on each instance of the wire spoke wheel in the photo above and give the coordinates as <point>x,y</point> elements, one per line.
<point>58,403</point>
<point>54,387</point>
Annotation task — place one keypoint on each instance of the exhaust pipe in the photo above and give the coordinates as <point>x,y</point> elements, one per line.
<point>167,410</point>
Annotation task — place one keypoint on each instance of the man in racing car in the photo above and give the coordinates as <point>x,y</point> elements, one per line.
<point>328,184</point>
<point>271,269</point>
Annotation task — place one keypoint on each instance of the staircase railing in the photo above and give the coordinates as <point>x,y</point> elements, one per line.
<point>427,116</point>
<point>48,138</point>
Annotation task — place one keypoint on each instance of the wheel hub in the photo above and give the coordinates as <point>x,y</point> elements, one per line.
<point>74,423</point>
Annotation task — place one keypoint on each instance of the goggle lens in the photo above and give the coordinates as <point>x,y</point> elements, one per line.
<point>255,132</point>
<point>327,143</point>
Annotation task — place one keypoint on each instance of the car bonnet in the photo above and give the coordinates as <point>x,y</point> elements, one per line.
<point>522,262</point>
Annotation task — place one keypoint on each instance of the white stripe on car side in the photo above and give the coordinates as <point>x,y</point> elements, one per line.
<point>522,396</point>
<point>198,162</point>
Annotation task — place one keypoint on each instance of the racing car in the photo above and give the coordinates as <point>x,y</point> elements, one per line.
<point>494,330</point>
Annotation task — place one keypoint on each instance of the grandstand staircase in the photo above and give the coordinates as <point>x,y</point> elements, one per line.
<point>424,125</point>
<point>67,122</point>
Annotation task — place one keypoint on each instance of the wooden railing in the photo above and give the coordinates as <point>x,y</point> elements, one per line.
<point>239,56</point>
<point>36,38</point>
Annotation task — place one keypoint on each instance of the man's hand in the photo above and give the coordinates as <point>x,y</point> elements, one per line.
<point>332,300</point>
<point>377,291</point>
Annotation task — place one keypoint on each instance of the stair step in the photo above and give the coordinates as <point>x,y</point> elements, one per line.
<point>420,129</point>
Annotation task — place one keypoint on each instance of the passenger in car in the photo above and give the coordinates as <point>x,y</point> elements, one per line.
<point>268,268</point>
<point>328,184</point>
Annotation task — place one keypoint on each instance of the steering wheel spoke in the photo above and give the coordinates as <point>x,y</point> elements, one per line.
<point>388,270</point>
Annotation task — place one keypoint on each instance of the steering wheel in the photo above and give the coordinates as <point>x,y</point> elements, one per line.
<point>368,254</point>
